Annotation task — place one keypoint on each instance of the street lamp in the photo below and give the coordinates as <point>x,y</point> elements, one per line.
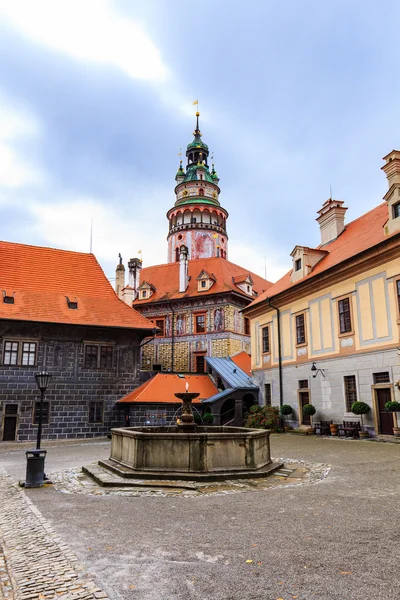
<point>42,381</point>
<point>315,371</point>
<point>35,475</point>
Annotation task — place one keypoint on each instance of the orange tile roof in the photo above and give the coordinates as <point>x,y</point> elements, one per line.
<point>165,279</point>
<point>163,386</point>
<point>243,361</point>
<point>359,235</point>
<point>42,278</point>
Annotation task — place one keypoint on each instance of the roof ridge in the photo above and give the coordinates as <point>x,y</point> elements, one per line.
<point>48,248</point>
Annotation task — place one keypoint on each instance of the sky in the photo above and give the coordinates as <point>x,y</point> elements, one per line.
<point>296,98</point>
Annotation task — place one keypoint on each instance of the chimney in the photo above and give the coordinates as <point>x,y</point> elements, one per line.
<point>119,278</point>
<point>127,295</point>
<point>134,266</point>
<point>183,268</point>
<point>392,167</point>
<point>331,220</point>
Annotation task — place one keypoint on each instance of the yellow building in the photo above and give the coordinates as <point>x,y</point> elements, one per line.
<point>327,333</point>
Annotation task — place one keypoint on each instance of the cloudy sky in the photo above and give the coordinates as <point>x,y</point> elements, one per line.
<point>96,100</point>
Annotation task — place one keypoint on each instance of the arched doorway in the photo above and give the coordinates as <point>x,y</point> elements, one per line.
<point>248,401</point>
<point>227,412</point>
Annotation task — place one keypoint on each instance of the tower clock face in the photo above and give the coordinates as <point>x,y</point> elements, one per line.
<point>185,193</point>
<point>214,194</point>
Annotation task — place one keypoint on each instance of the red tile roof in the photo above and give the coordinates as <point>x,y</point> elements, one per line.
<point>359,235</point>
<point>162,389</point>
<point>243,361</point>
<point>41,278</point>
<point>165,279</point>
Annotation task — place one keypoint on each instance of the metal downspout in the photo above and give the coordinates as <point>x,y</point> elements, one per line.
<point>279,351</point>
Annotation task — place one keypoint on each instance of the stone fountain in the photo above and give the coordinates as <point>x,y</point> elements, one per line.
<point>187,451</point>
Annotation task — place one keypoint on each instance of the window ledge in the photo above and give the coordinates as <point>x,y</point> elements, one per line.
<point>303,345</point>
<point>346,334</point>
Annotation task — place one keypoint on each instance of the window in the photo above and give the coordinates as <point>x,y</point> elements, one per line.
<point>10,356</point>
<point>350,391</point>
<point>344,315</point>
<point>199,363</point>
<point>106,356</point>
<point>300,330</point>
<point>383,377</point>
<point>303,384</point>
<point>265,339</point>
<point>160,324</point>
<point>396,210</point>
<point>398,292</point>
<point>98,356</point>
<point>19,353</point>
<point>73,304</point>
<point>297,264</point>
<point>28,354</point>
<point>144,293</point>
<point>200,323</point>
<point>155,417</point>
<point>203,283</point>
<point>45,413</point>
<point>95,412</point>
<point>267,394</point>
<point>246,326</point>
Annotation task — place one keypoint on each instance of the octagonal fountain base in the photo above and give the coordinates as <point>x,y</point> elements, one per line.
<point>208,453</point>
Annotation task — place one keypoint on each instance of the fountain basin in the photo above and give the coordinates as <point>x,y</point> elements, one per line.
<point>158,451</point>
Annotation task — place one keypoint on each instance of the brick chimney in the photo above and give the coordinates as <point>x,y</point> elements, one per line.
<point>183,268</point>
<point>119,278</point>
<point>331,220</point>
<point>135,267</point>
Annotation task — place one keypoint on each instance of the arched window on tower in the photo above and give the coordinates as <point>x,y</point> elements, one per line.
<point>176,254</point>
<point>201,176</point>
<point>201,192</point>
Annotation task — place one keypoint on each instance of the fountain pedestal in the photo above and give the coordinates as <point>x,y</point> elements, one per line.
<point>185,422</point>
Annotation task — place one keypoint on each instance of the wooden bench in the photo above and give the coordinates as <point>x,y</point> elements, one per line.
<point>323,428</point>
<point>351,428</point>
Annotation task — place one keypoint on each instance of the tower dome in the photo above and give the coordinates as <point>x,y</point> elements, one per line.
<point>197,220</point>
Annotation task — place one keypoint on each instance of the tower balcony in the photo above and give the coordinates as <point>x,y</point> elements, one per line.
<point>208,226</point>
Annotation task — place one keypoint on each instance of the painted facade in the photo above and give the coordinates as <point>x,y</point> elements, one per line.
<point>339,309</point>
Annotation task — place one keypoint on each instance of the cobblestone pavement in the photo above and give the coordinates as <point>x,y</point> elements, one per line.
<point>74,481</point>
<point>34,563</point>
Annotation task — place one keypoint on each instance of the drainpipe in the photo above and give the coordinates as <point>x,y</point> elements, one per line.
<point>278,313</point>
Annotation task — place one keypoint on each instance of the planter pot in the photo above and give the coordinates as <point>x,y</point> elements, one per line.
<point>334,427</point>
<point>288,428</point>
<point>396,432</point>
<point>364,435</point>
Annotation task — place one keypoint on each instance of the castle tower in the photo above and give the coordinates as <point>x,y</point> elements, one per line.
<point>197,220</point>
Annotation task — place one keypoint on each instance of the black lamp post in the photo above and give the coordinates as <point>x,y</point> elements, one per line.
<point>42,381</point>
<point>35,458</point>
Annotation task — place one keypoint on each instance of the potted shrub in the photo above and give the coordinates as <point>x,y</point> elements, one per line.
<point>394,407</point>
<point>309,410</point>
<point>208,418</point>
<point>361,408</point>
<point>286,410</point>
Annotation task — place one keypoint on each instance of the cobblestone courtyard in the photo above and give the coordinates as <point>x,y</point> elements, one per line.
<point>336,538</point>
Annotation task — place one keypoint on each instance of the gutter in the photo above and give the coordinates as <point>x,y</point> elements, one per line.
<point>278,313</point>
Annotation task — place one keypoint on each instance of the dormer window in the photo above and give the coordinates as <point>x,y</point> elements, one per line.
<point>8,299</point>
<point>204,281</point>
<point>72,304</point>
<point>145,290</point>
<point>297,264</point>
<point>396,210</point>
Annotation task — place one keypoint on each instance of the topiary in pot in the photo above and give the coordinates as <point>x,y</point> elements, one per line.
<point>360,408</point>
<point>309,410</point>
<point>394,407</point>
<point>208,418</point>
<point>286,410</point>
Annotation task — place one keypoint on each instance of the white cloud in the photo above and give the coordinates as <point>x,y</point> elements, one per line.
<point>67,225</point>
<point>88,30</point>
<point>14,125</point>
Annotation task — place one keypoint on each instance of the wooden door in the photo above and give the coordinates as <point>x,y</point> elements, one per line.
<point>304,399</point>
<point>385,419</point>
<point>10,422</point>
